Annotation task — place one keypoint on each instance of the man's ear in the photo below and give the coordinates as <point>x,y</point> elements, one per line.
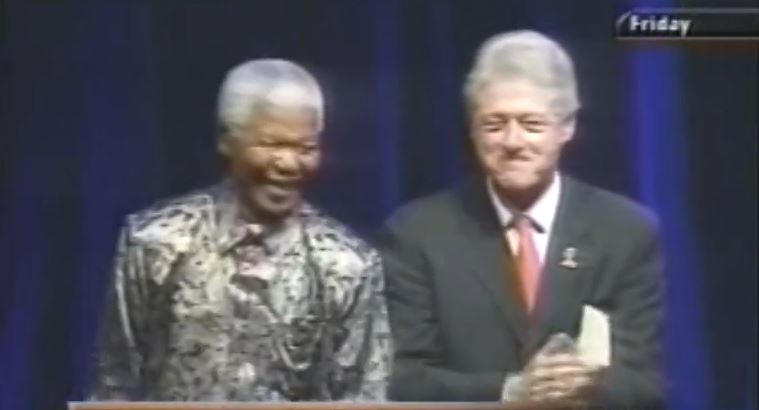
<point>223,140</point>
<point>223,146</point>
<point>567,129</point>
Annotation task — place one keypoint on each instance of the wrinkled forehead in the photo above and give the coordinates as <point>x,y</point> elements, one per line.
<point>283,122</point>
<point>514,97</point>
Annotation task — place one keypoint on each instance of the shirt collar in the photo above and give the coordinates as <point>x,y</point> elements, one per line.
<point>542,212</point>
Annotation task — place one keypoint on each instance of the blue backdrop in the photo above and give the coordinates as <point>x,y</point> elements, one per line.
<point>106,106</point>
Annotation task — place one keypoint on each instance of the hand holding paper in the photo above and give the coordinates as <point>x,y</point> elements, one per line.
<point>564,368</point>
<point>557,371</point>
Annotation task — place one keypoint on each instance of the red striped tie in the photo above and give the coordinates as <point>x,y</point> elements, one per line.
<point>528,262</point>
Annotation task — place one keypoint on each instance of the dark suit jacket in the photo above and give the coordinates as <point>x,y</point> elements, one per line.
<point>458,323</point>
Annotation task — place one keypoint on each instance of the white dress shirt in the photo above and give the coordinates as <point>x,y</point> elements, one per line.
<point>542,213</point>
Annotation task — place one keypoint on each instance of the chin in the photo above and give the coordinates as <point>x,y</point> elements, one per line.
<point>517,184</point>
<point>279,209</point>
<point>269,208</point>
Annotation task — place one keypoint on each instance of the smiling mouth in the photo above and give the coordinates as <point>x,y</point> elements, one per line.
<point>516,162</point>
<point>281,189</point>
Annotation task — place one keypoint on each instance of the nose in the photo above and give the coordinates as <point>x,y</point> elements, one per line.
<point>285,162</point>
<point>513,137</point>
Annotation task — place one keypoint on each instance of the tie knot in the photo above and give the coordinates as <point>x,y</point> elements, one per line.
<point>523,223</point>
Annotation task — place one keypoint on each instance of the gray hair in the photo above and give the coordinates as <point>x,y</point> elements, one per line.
<point>525,55</point>
<point>259,85</point>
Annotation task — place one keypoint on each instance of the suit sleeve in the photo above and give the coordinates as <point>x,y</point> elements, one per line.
<point>634,378</point>
<point>119,357</point>
<point>420,372</point>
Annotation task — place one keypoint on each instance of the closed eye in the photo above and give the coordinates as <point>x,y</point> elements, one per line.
<point>492,126</point>
<point>534,125</point>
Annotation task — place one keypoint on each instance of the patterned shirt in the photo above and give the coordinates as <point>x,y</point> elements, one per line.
<point>207,307</point>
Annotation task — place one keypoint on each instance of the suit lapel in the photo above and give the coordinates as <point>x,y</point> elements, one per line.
<point>570,254</point>
<point>484,246</point>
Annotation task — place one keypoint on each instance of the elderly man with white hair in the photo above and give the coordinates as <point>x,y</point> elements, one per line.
<point>523,283</point>
<point>243,291</point>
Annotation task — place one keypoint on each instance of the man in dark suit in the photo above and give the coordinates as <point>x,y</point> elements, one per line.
<point>482,278</point>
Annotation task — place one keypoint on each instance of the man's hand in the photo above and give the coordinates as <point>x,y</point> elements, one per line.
<point>552,375</point>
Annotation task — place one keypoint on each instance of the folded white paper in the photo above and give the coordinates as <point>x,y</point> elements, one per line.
<point>594,342</point>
